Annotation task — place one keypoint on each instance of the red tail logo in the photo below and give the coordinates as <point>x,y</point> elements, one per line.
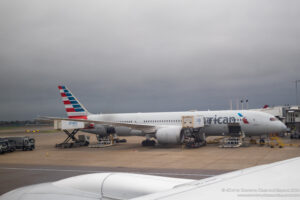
<point>245,121</point>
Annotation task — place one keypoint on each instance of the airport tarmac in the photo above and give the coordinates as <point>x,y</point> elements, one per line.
<point>16,175</point>
<point>47,163</point>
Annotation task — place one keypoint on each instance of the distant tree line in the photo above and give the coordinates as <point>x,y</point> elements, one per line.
<point>26,123</point>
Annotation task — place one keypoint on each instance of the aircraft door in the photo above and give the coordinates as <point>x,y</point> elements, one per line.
<point>187,121</point>
<point>196,121</point>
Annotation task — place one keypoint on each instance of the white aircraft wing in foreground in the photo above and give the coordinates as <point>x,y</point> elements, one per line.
<point>279,180</point>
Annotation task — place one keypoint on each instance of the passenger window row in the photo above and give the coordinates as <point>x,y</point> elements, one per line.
<point>153,121</point>
<point>160,121</point>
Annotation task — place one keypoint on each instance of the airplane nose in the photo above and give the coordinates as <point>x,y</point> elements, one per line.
<point>282,127</point>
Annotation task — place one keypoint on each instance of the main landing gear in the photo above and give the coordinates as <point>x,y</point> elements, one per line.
<point>148,142</point>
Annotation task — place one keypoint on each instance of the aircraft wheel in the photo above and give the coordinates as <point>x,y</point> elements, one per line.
<point>144,143</point>
<point>262,141</point>
<point>152,143</point>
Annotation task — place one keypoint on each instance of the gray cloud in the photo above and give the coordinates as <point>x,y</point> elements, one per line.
<point>130,56</point>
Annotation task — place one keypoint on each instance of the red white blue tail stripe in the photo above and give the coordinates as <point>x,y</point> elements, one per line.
<point>74,108</point>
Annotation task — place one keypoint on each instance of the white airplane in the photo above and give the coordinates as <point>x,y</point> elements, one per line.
<point>279,180</point>
<point>171,127</point>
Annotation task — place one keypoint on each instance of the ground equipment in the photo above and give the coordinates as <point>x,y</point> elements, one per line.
<point>23,143</point>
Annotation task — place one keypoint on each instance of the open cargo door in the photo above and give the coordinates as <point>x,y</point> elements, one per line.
<point>192,121</point>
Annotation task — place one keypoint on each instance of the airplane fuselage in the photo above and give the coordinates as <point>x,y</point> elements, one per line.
<point>215,122</point>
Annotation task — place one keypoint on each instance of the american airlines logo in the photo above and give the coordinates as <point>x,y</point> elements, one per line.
<point>224,120</point>
<point>243,118</point>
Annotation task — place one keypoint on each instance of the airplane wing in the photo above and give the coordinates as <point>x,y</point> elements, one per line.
<point>143,127</point>
<point>279,180</point>
<point>104,186</point>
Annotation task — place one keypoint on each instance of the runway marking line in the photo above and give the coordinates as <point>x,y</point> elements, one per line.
<point>89,171</point>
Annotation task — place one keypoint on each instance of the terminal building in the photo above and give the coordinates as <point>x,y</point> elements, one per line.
<point>290,115</point>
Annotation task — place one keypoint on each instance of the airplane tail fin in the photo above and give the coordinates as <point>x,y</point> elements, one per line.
<point>74,108</point>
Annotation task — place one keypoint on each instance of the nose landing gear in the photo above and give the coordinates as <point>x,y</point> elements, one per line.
<point>262,141</point>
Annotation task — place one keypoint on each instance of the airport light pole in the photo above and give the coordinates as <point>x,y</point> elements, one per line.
<point>296,82</point>
<point>242,103</point>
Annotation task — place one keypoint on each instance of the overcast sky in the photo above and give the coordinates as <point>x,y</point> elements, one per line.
<point>146,55</point>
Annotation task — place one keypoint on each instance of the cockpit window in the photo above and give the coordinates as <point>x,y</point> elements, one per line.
<point>273,119</point>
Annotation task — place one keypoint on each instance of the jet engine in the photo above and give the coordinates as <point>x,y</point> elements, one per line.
<point>170,135</point>
<point>101,130</point>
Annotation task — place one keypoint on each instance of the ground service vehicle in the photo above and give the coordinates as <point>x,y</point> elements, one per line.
<point>3,147</point>
<point>23,143</point>
<point>10,146</point>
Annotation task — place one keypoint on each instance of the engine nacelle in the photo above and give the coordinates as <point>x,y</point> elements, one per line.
<point>101,130</point>
<point>170,135</point>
